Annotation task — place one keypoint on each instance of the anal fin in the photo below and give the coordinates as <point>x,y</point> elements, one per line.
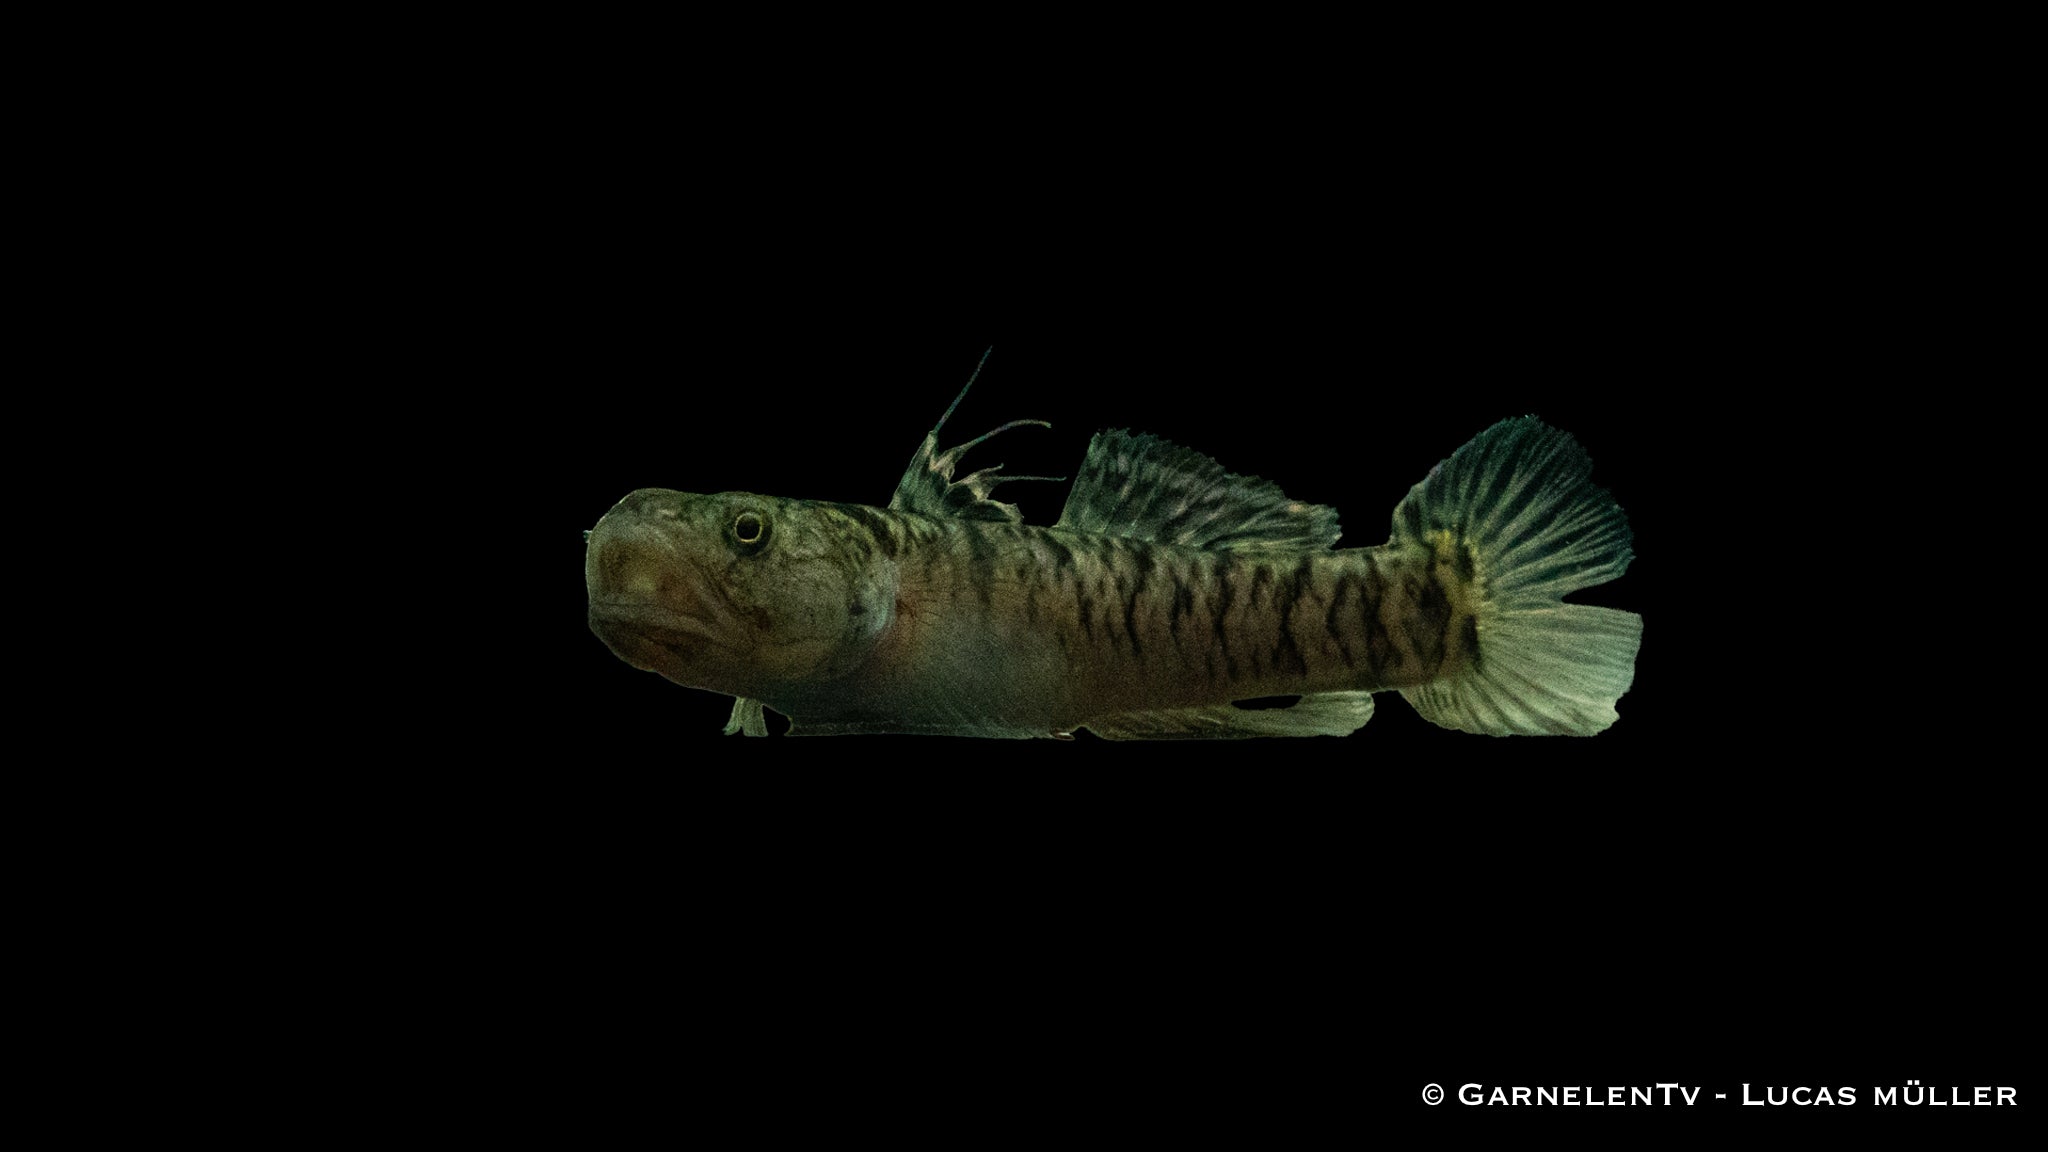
<point>1322,714</point>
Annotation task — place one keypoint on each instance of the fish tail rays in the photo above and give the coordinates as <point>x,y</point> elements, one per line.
<point>1513,522</point>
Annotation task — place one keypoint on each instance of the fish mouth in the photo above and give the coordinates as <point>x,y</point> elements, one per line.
<point>648,603</point>
<point>641,613</point>
<point>651,637</point>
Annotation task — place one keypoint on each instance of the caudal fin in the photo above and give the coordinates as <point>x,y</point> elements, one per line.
<point>1516,500</point>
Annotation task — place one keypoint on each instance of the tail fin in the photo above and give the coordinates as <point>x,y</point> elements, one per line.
<point>1517,502</point>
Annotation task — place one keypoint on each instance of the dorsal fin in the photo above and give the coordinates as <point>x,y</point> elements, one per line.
<point>928,486</point>
<point>1150,489</point>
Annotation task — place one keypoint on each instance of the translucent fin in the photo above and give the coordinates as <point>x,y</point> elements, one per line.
<point>928,485</point>
<point>1146,488</point>
<point>1325,714</point>
<point>746,717</point>
<point>901,728</point>
<point>1516,502</point>
<point>1540,673</point>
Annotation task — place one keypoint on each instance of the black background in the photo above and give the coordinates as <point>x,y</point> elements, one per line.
<point>1759,875</point>
<point>1796,859</point>
<point>498,277</point>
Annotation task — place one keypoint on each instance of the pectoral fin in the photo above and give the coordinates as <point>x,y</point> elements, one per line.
<point>746,717</point>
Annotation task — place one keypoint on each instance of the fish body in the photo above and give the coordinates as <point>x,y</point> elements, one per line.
<point>1168,590</point>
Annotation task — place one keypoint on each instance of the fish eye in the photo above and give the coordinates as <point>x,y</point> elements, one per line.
<point>749,529</point>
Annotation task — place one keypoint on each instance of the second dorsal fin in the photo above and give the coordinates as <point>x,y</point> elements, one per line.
<point>1145,488</point>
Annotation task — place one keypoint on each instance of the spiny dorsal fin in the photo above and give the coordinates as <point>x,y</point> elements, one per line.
<point>928,485</point>
<point>1149,489</point>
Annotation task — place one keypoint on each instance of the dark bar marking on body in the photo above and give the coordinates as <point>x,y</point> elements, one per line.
<point>1428,623</point>
<point>1379,647</point>
<point>1142,562</point>
<point>1225,593</point>
<point>1062,556</point>
<point>877,527</point>
<point>1183,605</point>
<point>981,559</point>
<point>1286,654</point>
<point>1330,618</point>
<point>1084,606</point>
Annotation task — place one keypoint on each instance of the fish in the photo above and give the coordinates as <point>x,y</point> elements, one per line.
<point>1169,592</point>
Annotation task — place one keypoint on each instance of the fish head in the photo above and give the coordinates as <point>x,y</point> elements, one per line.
<point>733,592</point>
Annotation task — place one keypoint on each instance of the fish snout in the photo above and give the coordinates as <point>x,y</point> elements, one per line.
<point>634,556</point>
<point>644,601</point>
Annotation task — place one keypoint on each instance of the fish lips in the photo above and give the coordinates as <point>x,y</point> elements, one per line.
<point>647,636</point>
<point>646,602</point>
